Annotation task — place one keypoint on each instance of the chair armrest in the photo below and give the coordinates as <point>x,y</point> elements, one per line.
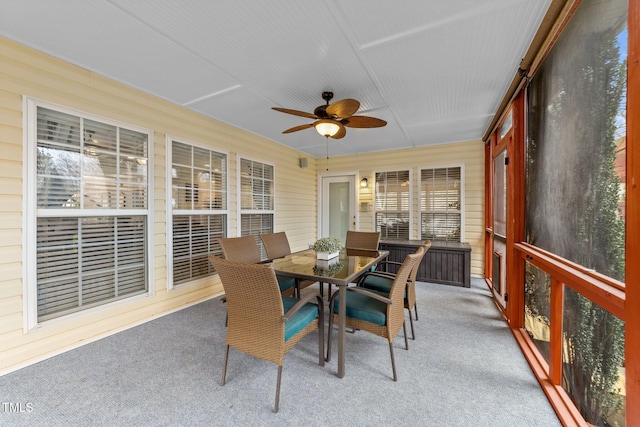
<point>302,303</point>
<point>385,274</point>
<point>377,274</point>
<point>370,294</point>
<point>384,262</point>
<point>386,265</point>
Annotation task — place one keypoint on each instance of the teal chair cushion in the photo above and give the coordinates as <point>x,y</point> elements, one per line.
<point>285,282</point>
<point>365,308</point>
<point>301,319</point>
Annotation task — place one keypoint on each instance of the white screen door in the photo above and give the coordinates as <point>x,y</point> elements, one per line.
<point>337,206</point>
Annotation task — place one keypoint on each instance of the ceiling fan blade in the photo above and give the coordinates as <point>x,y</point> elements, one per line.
<point>344,108</point>
<point>341,132</point>
<point>295,112</point>
<point>297,128</point>
<point>364,122</point>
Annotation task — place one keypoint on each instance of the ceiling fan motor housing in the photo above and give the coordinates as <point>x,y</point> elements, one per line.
<point>321,110</point>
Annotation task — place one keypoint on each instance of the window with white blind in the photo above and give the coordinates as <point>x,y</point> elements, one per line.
<point>392,204</point>
<point>198,209</point>
<point>441,203</point>
<point>90,212</point>
<point>256,199</point>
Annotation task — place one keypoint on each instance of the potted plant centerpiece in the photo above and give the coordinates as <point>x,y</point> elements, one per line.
<point>327,268</point>
<point>327,247</point>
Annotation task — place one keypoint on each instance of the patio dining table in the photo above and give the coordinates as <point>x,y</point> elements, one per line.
<point>346,268</point>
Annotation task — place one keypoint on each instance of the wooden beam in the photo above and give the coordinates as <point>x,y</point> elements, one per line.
<point>632,279</point>
<point>555,340</point>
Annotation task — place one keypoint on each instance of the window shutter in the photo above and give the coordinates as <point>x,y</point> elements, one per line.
<point>83,262</point>
<point>256,199</point>
<point>440,203</point>
<point>392,201</point>
<point>199,201</point>
<point>96,253</point>
<point>256,224</point>
<point>194,239</point>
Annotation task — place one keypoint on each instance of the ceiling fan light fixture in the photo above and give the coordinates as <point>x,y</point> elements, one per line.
<point>332,120</point>
<point>327,127</point>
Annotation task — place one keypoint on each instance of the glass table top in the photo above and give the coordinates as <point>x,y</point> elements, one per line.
<point>341,270</point>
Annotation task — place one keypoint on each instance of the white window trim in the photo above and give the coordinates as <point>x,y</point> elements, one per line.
<point>462,194</point>
<point>411,196</point>
<point>29,217</point>
<point>169,215</point>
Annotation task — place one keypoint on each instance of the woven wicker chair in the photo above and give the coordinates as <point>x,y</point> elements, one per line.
<point>245,249</point>
<point>277,246</point>
<point>381,281</point>
<point>262,322</point>
<point>380,315</point>
<point>367,240</point>
<point>240,249</point>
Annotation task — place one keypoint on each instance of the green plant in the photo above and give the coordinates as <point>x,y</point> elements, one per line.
<point>327,244</point>
<point>329,271</point>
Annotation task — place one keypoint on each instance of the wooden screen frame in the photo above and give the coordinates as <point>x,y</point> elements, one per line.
<point>623,301</point>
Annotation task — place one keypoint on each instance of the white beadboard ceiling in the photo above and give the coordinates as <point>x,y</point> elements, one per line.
<point>435,70</point>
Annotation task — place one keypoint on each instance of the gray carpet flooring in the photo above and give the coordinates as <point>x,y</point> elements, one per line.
<point>463,369</point>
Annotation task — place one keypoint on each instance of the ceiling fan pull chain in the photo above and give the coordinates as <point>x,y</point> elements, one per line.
<point>327,153</point>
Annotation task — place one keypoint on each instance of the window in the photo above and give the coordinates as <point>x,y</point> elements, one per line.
<point>256,199</point>
<point>441,204</point>
<point>392,200</point>
<point>506,125</point>
<point>575,170</point>
<point>500,194</point>
<point>198,209</point>
<point>88,239</point>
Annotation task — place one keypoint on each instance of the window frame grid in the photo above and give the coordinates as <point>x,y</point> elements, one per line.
<point>251,212</point>
<point>32,212</point>
<point>192,213</point>
<point>461,211</point>
<point>392,212</point>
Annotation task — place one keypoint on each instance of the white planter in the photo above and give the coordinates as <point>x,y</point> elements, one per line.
<point>325,264</point>
<point>327,255</point>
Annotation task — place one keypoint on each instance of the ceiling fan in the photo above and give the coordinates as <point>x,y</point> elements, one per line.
<point>332,120</point>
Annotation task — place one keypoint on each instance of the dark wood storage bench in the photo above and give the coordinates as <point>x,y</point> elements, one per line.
<point>445,262</point>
